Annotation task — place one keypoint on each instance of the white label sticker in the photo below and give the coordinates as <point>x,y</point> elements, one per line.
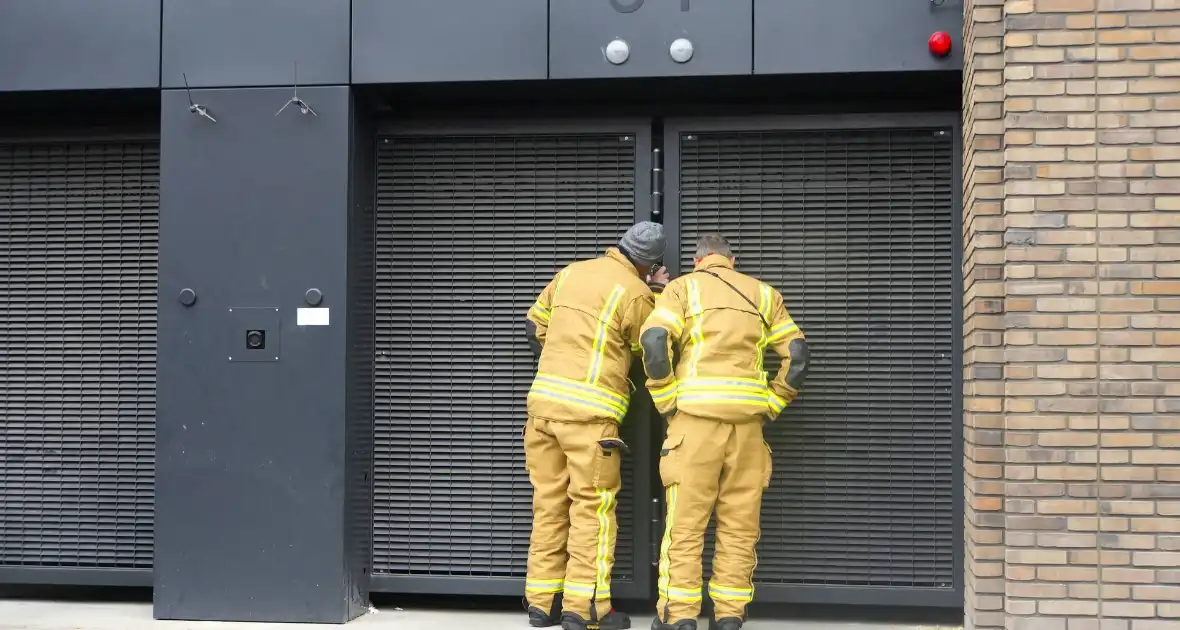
<point>312,317</point>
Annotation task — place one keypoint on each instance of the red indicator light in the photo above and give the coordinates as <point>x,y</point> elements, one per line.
<point>940,44</point>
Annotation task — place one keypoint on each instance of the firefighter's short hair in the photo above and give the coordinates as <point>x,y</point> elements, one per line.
<point>713,244</point>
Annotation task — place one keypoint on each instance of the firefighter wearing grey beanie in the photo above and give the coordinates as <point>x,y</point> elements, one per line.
<point>644,243</point>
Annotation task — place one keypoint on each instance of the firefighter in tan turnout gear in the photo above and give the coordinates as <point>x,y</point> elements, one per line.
<point>717,398</point>
<point>585,327</point>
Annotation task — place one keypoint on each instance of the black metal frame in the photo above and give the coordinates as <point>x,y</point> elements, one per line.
<point>673,128</point>
<point>75,576</point>
<point>639,415</point>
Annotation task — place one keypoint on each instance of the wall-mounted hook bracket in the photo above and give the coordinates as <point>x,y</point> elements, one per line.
<point>304,108</point>
<point>195,108</point>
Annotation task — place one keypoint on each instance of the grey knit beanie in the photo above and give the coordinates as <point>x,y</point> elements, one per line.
<point>644,243</point>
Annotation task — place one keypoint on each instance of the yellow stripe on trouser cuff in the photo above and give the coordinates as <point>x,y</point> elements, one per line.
<point>729,594</point>
<point>544,586</point>
<point>604,318</point>
<point>690,595</point>
<point>602,565</point>
<point>580,588</point>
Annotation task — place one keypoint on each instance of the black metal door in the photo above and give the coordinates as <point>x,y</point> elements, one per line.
<point>78,264</point>
<point>472,222</point>
<point>854,222</point>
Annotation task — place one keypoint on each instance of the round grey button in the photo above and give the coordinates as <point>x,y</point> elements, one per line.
<point>188,297</point>
<point>617,51</point>
<point>313,297</point>
<point>681,50</point>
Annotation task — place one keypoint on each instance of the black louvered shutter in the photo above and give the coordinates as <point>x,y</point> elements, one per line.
<point>470,229</point>
<point>855,229</point>
<point>78,275</point>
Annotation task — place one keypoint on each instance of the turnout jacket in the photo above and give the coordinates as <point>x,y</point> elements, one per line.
<point>719,339</point>
<point>586,323</point>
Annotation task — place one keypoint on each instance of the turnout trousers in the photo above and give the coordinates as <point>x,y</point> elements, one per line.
<point>707,465</point>
<point>576,484</point>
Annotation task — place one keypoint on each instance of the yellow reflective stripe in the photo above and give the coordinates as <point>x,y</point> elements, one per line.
<point>579,588</point>
<point>544,586</point>
<point>635,347</point>
<point>689,595</point>
<point>777,403</point>
<point>782,330</point>
<point>765,300</point>
<point>763,340</point>
<point>697,314</point>
<point>726,380</point>
<point>665,563</point>
<point>541,391</point>
<point>602,563</point>
<point>540,312</point>
<point>560,281</point>
<point>607,314</point>
<point>583,387</point>
<point>664,394</point>
<point>751,401</point>
<point>670,318</point>
<point>745,595</point>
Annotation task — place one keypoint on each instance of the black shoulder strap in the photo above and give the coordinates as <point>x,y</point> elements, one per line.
<point>739,292</point>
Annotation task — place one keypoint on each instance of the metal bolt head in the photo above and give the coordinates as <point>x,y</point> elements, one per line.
<point>617,51</point>
<point>681,50</point>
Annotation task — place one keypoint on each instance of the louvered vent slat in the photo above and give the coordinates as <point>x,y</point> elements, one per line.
<point>855,229</point>
<point>79,226</point>
<point>469,230</point>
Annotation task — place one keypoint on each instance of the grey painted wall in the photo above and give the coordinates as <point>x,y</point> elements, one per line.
<point>810,36</point>
<point>251,452</point>
<point>449,40</point>
<point>579,31</point>
<point>255,43</point>
<point>79,44</point>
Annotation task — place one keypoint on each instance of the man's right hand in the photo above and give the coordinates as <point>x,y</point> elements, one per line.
<point>659,275</point>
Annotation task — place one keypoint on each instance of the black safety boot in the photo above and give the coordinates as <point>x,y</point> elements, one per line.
<point>540,619</point>
<point>613,620</point>
<point>686,624</point>
<point>725,623</point>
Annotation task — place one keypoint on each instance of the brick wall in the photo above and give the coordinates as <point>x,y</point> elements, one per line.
<point>1072,313</point>
<point>983,286</point>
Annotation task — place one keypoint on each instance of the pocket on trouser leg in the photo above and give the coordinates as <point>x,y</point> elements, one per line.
<point>608,460</point>
<point>768,469</point>
<point>671,471</point>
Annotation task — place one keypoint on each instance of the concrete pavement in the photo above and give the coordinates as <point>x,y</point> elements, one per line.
<point>52,615</point>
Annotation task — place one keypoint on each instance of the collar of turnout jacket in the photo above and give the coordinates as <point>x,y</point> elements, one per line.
<point>588,319</point>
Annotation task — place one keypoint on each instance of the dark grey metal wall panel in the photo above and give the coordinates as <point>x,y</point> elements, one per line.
<point>234,43</point>
<point>449,40</point>
<point>78,258</point>
<point>855,227</point>
<point>251,451</point>
<point>579,31</point>
<point>811,36</point>
<point>470,228</point>
<point>79,44</point>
